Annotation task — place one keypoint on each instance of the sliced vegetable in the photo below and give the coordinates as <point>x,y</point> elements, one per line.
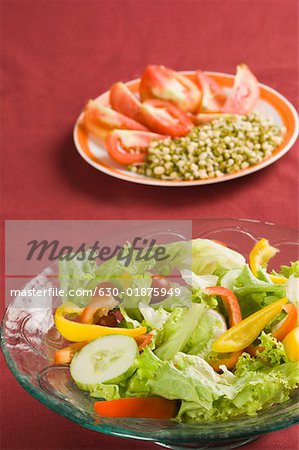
<point>166,84</point>
<point>287,324</point>
<point>78,332</point>
<point>259,257</point>
<point>230,303</point>
<point>213,95</point>
<point>99,120</point>
<point>291,344</point>
<point>232,307</point>
<point>129,147</point>
<point>106,359</point>
<point>143,341</point>
<point>99,307</point>
<point>245,332</point>
<point>66,354</point>
<point>281,330</point>
<point>229,360</point>
<point>245,93</point>
<point>147,408</point>
<point>165,118</point>
<point>124,101</point>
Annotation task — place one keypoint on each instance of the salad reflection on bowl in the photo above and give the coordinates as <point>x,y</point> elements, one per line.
<point>212,359</point>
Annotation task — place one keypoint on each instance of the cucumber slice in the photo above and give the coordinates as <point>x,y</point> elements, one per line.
<point>106,359</point>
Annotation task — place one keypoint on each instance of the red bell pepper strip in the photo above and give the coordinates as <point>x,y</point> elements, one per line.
<point>232,307</point>
<point>230,303</point>
<point>149,408</point>
<point>287,324</point>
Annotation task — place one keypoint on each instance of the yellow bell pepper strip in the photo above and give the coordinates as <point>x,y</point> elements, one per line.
<point>291,344</point>
<point>78,332</point>
<point>259,257</point>
<point>244,333</point>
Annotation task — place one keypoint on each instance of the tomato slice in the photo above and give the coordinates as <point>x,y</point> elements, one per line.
<point>245,92</point>
<point>129,147</point>
<point>124,101</point>
<point>99,120</point>
<point>166,84</point>
<point>213,95</point>
<point>165,118</point>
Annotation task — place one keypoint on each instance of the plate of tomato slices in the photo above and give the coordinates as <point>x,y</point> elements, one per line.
<point>114,131</point>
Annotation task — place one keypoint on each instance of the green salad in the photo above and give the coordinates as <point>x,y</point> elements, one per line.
<point>218,340</point>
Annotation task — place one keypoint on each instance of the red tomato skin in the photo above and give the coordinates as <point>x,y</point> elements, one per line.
<point>99,120</point>
<point>167,84</point>
<point>245,93</point>
<point>119,142</point>
<point>124,101</point>
<point>213,95</point>
<point>177,125</point>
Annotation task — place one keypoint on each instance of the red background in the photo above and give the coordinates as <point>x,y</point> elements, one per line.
<point>56,55</point>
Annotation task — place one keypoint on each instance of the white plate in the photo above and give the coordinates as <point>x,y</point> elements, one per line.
<point>271,103</point>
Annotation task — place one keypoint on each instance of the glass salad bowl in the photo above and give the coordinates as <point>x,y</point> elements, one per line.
<point>29,340</point>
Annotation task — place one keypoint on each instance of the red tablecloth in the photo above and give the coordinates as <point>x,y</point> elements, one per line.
<point>56,55</point>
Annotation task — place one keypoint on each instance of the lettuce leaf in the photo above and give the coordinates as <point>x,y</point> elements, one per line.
<point>208,257</point>
<point>292,269</point>
<point>208,329</point>
<point>176,331</point>
<point>253,294</point>
<point>75,274</point>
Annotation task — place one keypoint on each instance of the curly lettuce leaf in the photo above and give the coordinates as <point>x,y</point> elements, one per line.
<point>253,293</point>
<point>292,269</point>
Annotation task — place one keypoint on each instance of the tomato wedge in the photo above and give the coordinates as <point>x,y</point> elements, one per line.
<point>124,101</point>
<point>245,93</point>
<point>213,95</point>
<point>166,84</point>
<point>129,147</point>
<point>147,408</point>
<point>99,120</point>
<point>165,118</point>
